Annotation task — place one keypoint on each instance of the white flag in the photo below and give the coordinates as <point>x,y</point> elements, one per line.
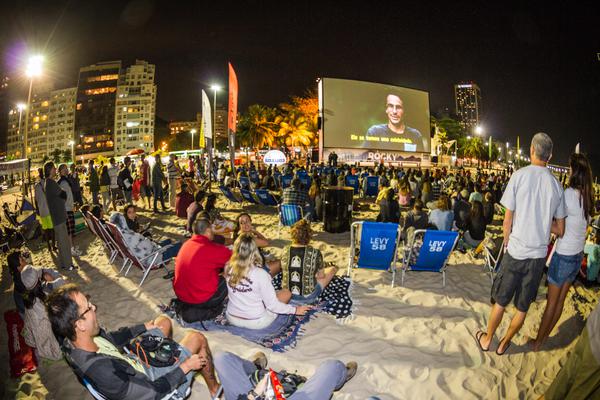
<point>206,117</point>
<point>577,149</point>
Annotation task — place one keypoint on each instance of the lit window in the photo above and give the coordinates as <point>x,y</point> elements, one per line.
<point>36,126</point>
<point>103,90</point>
<point>36,119</point>
<point>45,103</point>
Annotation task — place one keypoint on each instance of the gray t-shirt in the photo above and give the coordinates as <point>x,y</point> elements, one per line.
<point>535,196</point>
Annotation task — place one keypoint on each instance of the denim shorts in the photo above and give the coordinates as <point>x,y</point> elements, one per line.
<point>564,269</point>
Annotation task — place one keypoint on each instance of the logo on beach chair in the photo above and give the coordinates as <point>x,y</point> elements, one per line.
<point>379,244</point>
<point>436,246</point>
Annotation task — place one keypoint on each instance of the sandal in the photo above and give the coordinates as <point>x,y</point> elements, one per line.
<point>506,348</point>
<point>478,336</point>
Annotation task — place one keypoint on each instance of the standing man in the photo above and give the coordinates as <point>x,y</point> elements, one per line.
<point>125,180</point>
<point>533,198</point>
<point>75,185</point>
<point>145,188</point>
<point>174,176</point>
<point>93,182</point>
<point>158,178</point>
<point>113,173</point>
<point>65,185</point>
<point>56,197</point>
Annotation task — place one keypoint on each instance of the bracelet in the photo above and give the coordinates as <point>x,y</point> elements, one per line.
<point>253,394</point>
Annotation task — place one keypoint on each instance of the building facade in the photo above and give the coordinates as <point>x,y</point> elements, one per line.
<point>135,109</point>
<point>4,110</point>
<point>36,127</point>
<point>468,105</point>
<point>95,110</point>
<point>61,119</point>
<point>15,137</point>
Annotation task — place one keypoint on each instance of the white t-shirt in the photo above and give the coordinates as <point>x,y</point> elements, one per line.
<point>535,196</point>
<point>573,240</point>
<point>255,294</point>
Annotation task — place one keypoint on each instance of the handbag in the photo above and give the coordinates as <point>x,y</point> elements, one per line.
<point>155,350</point>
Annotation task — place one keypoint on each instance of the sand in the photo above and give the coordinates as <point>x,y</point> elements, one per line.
<point>410,342</point>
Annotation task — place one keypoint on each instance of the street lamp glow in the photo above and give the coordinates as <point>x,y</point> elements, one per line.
<point>468,137</point>
<point>507,145</point>
<point>71,143</point>
<point>478,130</point>
<point>193,131</point>
<point>34,66</point>
<point>216,88</point>
<point>21,106</point>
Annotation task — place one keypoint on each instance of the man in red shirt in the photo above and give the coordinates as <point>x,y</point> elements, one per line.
<point>199,286</point>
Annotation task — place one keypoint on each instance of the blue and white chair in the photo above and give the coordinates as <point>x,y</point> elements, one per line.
<point>286,181</point>
<point>289,214</point>
<point>244,182</point>
<point>265,198</point>
<point>378,246</point>
<point>254,176</point>
<point>433,253</point>
<point>229,195</point>
<point>247,196</point>
<point>305,179</point>
<point>352,181</point>
<point>372,186</point>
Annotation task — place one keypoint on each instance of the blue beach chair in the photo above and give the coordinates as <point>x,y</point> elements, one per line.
<point>289,214</point>
<point>244,182</point>
<point>286,181</point>
<point>247,196</point>
<point>378,244</point>
<point>265,198</point>
<point>229,195</point>
<point>433,254</point>
<point>305,179</point>
<point>352,181</point>
<point>372,186</point>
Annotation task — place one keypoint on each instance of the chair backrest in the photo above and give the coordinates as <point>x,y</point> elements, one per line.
<point>95,394</point>
<point>265,198</point>
<point>289,214</point>
<point>244,182</point>
<point>305,179</point>
<point>26,205</point>
<point>228,194</point>
<point>435,250</point>
<point>352,181</point>
<point>372,186</point>
<point>88,222</point>
<point>247,195</point>
<point>100,231</point>
<point>286,181</point>
<point>378,244</point>
<point>122,246</point>
<point>254,176</point>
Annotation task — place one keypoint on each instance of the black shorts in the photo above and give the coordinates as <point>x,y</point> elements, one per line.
<point>518,279</point>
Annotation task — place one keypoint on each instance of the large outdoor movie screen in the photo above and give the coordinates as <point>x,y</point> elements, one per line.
<point>365,115</point>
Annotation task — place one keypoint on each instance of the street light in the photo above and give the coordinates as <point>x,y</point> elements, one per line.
<point>193,131</point>
<point>478,130</point>
<point>468,137</point>
<point>20,108</point>
<point>33,70</point>
<point>72,144</point>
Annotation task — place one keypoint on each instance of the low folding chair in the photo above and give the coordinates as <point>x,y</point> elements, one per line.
<point>132,258</point>
<point>492,258</point>
<point>253,175</point>
<point>433,254</point>
<point>265,198</point>
<point>244,182</point>
<point>247,196</point>
<point>304,179</point>
<point>289,214</point>
<point>372,188</point>
<point>352,181</point>
<point>229,195</point>
<point>378,246</point>
<point>286,181</point>
<point>106,239</point>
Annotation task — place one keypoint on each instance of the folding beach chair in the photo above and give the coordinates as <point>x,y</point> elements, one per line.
<point>433,253</point>
<point>244,182</point>
<point>286,181</point>
<point>132,259</point>
<point>265,198</point>
<point>352,181</point>
<point>247,196</point>
<point>253,175</point>
<point>229,195</point>
<point>378,244</point>
<point>491,256</point>
<point>106,239</point>
<point>277,178</point>
<point>372,186</point>
<point>305,179</point>
<point>289,214</point>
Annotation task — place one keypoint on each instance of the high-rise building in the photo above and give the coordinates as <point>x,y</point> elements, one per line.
<point>468,104</point>
<point>176,127</point>
<point>61,119</point>
<point>135,108</point>
<point>220,128</point>
<point>37,125</point>
<point>95,109</point>
<point>4,109</point>
<point>15,137</point>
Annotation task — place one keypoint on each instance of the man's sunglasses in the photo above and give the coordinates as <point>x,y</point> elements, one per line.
<point>89,307</point>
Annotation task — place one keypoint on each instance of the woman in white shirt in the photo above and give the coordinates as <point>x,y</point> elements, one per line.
<point>253,302</point>
<point>568,252</point>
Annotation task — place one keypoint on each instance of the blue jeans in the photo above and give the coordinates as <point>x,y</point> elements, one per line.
<point>171,252</point>
<point>564,269</point>
<point>158,193</point>
<point>310,299</point>
<point>234,371</point>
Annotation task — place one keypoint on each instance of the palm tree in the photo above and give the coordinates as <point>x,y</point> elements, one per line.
<point>56,155</point>
<point>294,130</point>
<point>257,127</point>
<point>474,148</point>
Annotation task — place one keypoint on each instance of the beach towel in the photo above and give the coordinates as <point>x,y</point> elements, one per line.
<point>280,336</point>
<point>22,357</point>
<point>336,299</point>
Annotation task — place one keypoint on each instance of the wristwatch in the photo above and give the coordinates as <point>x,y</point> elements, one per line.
<point>252,395</point>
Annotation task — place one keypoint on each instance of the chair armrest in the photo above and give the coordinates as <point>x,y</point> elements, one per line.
<point>161,250</point>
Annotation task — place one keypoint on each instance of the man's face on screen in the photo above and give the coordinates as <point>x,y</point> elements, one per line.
<point>394,109</point>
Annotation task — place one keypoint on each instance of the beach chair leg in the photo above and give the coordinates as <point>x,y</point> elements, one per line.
<point>444,278</point>
<point>393,276</point>
<point>128,268</point>
<point>147,271</point>
<point>402,279</point>
<point>113,256</point>
<point>124,265</point>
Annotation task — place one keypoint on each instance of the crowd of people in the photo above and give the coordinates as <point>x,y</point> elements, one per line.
<point>225,268</point>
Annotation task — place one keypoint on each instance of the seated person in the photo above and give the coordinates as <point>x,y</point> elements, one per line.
<point>302,267</point>
<point>221,225</point>
<point>130,214</point>
<point>416,218</point>
<point>442,216</point>
<point>389,209</point>
<point>488,207</point>
<point>98,211</point>
<point>97,356</point>
<point>476,226</point>
<point>233,373</point>
<point>253,302</point>
<point>199,286</point>
<point>404,196</point>
<point>193,209</point>
<point>182,201</point>
<point>296,194</point>
<point>142,246</point>
<point>461,209</point>
<point>37,284</point>
<point>244,225</point>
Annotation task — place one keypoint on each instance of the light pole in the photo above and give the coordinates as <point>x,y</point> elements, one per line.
<point>33,70</point>
<point>20,107</point>
<point>72,144</point>
<point>193,131</point>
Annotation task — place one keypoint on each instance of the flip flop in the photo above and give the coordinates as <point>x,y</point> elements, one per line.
<point>506,348</point>
<point>478,336</point>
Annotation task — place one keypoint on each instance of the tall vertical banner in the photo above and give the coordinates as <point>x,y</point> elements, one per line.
<point>232,113</point>
<point>206,130</point>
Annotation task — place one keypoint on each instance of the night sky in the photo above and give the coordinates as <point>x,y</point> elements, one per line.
<point>537,65</point>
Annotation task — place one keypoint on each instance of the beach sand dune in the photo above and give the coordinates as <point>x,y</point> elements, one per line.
<point>411,342</point>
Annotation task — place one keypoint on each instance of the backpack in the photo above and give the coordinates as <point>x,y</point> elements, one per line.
<point>157,351</point>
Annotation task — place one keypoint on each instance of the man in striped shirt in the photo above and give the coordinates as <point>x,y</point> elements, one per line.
<point>174,174</point>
